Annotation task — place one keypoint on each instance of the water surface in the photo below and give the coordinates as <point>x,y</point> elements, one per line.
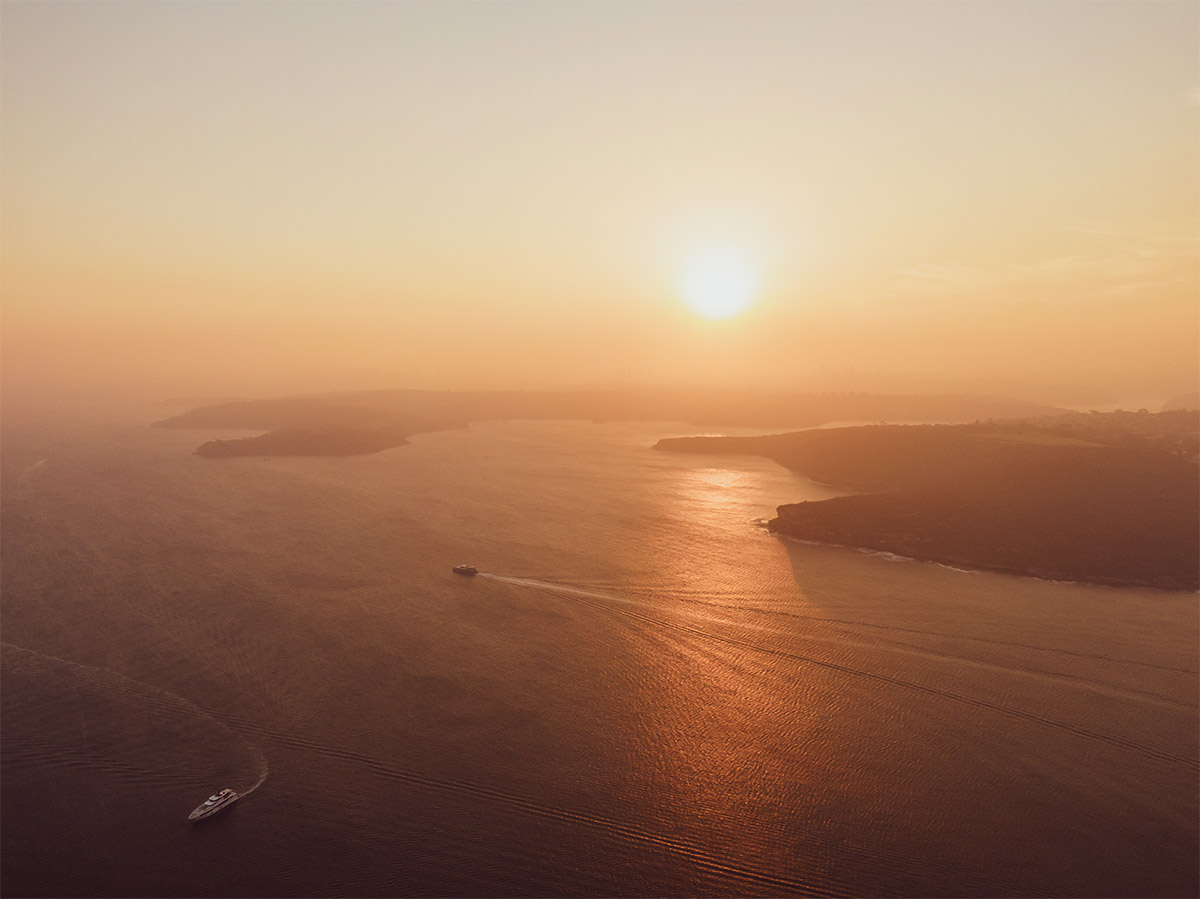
<point>646,695</point>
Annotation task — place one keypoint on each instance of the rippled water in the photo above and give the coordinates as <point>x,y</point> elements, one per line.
<point>645,694</point>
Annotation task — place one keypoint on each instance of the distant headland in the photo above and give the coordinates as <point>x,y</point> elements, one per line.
<point>371,421</point>
<point>1109,498</point>
<point>307,426</point>
<point>346,441</point>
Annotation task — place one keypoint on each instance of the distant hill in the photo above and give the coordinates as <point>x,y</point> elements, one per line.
<point>306,426</point>
<point>1190,400</point>
<point>727,408</point>
<point>892,457</point>
<point>1109,498</point>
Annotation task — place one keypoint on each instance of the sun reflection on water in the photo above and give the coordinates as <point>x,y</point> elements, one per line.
<point>720,491</point>
<point>718,478</point>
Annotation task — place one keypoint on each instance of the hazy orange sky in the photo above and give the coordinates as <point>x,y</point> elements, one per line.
<point>263,197</point>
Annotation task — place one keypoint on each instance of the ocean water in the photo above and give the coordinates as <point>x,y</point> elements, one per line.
<point>644,694</point>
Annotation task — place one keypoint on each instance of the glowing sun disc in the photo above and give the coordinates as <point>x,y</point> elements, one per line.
<point>718,285</point>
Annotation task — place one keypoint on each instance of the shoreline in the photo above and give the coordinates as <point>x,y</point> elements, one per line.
<point>966,567</point>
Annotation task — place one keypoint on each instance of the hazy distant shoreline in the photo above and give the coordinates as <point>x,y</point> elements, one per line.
<point>372,421</point>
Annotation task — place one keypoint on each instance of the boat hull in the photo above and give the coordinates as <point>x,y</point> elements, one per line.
<point>217,803</point>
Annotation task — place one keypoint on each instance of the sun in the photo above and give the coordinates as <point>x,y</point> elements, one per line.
<point>718,283</point>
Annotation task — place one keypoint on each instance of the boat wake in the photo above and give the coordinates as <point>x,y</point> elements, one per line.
<point>636,609</point>
<point>31,468</point>
<point>87,687</point>
<point>548,587</point>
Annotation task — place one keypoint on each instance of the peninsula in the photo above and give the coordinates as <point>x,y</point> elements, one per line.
<point>345,441</point>
<point>1108,498</point>
<point>306,426</point>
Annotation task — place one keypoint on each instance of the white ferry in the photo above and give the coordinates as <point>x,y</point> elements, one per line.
<point>214,804</point>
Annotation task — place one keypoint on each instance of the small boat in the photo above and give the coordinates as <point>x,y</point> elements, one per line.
<point>214,804</point>
<point>466,569</point>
